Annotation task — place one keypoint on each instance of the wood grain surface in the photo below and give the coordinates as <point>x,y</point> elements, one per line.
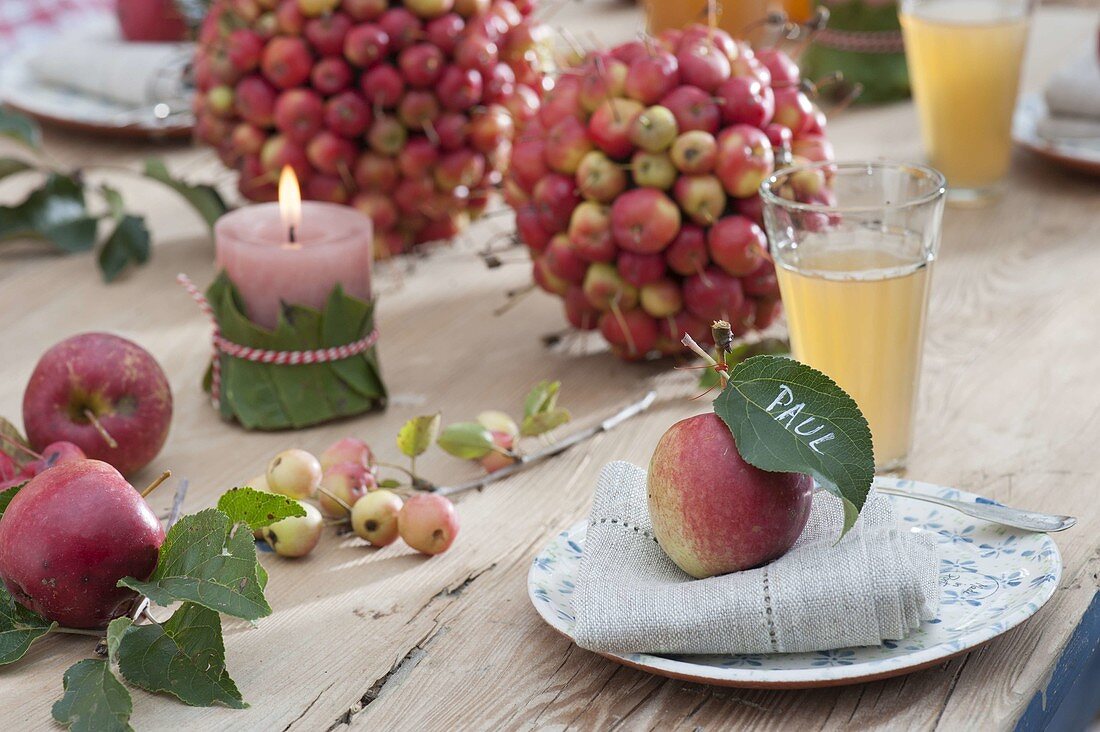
<point>387,639</point>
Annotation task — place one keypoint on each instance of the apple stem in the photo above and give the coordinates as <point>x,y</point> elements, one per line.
<point>156,483</point>
<point>723,339</point>
<point>20,446</point>
<point>337,522</point>
<point>712,15</point>
<point>111,443</point>
<point>340,501</point>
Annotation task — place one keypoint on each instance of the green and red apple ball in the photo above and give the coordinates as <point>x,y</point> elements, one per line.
<point>404,109</point>
<point>344,476</point>
<point>635,186</point>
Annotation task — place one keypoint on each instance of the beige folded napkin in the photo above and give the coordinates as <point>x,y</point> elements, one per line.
<point>1074,90</point>
<point>97,62</point>
<point>878,583</point>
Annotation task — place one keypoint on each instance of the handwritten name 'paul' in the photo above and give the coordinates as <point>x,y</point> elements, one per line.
<point>805,428</point>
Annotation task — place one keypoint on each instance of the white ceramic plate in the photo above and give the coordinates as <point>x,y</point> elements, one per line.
<point>1083,155</point>
<point>68,108</point>
<point>992,578</point>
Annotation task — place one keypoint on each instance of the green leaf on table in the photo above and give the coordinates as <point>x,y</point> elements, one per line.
<point>204,198</point>
<point>543,397</point>
<point>19,628</point>
<point>113,199</point>
<point>184,657</point>
<point>55,212</point>
<point>418,434</point>
<point>542,422</point>
<point>786,416</point>
<point>128,244</point>
<point>94,700</point>
<point>11,166</point>
<point>20,128</point>
<point>257,509</point>
<point>466,440</point>
<point>269,397</point>
<point>208,560</point>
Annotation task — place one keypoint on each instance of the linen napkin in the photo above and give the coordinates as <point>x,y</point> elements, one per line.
<point>1074,90</point>
<point>876,584</point>
<point>97,62</point>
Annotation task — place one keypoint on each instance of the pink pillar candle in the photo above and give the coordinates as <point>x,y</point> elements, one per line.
<point>332,244</point>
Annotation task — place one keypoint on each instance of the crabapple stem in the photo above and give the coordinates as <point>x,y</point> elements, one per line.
<point>156,483</point>
<point>90,415</point>
<point>723,338</point>
<point>339,501</point>
<point>20,446</point>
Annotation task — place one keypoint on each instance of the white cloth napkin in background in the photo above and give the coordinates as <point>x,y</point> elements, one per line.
<point>1074,90</point>
<point>99,63</point>
<point>879,583</point>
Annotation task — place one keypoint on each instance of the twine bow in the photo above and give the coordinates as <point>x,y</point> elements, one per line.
<point>261,355</point>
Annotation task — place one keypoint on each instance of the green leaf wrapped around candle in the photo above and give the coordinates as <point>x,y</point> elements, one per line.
<point>271,397</point>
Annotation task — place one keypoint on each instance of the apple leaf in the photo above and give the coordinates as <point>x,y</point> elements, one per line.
<point>205,199</point>
<point>269,396</point>
<point>207,560</point>
<point>10,434</point>
<point>6,495</point>
<point>257,509</point>
<point>94,700</point>
<point>19,627</point>
<point>20,128</point>
<point>11,166</point>
<point>543,397</point>
<point>466,440</point>
<point>537,424</point>
<point>54,212</point>
<point>128,244</point>
<point>418,434</point>
<point>787,416</point>
<point>184,657</point>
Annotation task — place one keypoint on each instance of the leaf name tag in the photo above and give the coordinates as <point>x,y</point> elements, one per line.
<point>807,427</point>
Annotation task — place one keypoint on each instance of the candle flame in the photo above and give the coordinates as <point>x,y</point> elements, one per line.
<point>290,202</point>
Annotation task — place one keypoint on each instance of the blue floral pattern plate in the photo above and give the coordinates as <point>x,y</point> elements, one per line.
<point>992,579</point>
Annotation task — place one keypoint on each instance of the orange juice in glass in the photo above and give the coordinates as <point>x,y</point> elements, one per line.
<point>855,278</point>
<point>734,16</point>
<point>964,61</point>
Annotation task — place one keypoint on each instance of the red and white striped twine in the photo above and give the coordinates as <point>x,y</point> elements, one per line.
<point>261,355</point>
<point>861,41</point>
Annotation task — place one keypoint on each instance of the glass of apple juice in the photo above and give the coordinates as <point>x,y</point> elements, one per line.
<point>853,245</point>
<point>964,60</point>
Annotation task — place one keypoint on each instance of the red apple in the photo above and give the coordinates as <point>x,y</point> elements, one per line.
<point>745,159</point>
<point>737,245</point>
<point>428,523</point>
<point>69,536</point>
<point>712,512</point>
<point>114,380</point>
<point>151,20</point>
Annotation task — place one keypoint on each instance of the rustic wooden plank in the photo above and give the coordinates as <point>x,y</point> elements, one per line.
<point>1009,408</point>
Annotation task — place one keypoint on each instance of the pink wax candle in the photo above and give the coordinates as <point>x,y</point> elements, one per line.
<point>294,252</point>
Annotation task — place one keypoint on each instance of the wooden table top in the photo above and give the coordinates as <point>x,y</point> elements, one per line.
<point>387,639</point>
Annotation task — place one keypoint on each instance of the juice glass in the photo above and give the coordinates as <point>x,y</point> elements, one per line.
<point>854,277</point>
<point>734,16</point>
<point>964,61</point>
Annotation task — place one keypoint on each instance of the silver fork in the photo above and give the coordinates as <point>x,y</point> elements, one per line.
<point>1014,517</point>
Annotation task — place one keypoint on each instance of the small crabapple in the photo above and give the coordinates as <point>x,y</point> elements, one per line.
<point>294,473</point>
<point>343,484</point>
<point>428,523</point>
<point>295,536</point>
<point>347,450</point>
<point>374,517</point>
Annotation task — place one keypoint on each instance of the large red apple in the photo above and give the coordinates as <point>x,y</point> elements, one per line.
<point>151,20</point>
<point>712,512</point>
<point>69,536</point>
<point>113,379</point>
